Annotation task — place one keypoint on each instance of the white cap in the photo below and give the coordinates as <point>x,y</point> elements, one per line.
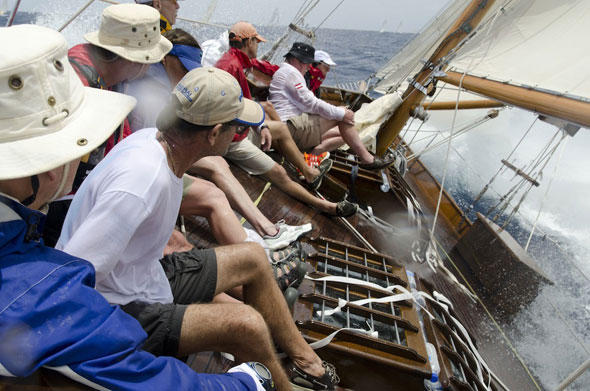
<point>210,96</point>
<point>47,116</point>
<point>321,56</point>
<point>133,32</point>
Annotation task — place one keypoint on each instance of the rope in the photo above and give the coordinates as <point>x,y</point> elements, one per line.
<point>330,14</point>
<point>547,159</point>
<point>502,167</point>
<point>75,16</point>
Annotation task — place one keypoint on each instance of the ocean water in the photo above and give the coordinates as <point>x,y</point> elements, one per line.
<point>553,333</point>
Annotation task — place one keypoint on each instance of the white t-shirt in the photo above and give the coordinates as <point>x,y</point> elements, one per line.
<point>122,217</point>
<point>291,97</point>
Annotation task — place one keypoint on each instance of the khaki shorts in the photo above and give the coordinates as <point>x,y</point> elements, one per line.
<point>306,130</point>
<point>249,157</point>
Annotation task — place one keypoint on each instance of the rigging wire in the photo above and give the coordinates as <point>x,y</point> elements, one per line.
<point>525,219</point>
<point>75,15</point>
<point>526,247</point>
<point>538,175</point>
<point>330,14</point>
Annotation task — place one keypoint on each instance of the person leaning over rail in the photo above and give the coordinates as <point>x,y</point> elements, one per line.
<point>50,314</point>
<point>202,197</point>
<point>243,41</point>
<point>315,125</point>
<point>127,42</point>
<point>125,211</point>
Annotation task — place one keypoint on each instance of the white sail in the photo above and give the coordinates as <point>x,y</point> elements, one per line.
<point>540,44</point>
<point>408,61</point>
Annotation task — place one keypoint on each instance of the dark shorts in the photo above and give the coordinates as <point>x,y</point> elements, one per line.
<point>54,221</point>
<point>193,279</point>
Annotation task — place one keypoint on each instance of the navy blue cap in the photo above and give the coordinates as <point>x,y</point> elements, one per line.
<point>189,56</point>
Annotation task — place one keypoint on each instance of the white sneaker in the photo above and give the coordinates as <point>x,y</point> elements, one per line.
<point>286,235</point>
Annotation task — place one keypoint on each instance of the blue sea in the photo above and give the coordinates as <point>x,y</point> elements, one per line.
<point>553,333</point>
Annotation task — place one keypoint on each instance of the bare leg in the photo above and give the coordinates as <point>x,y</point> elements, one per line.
<point>282,139</point>
<point>350,136</point>
<point>216,169</point>
<point>246,264</point>
<point>234,328</point>
<point>278,176</point>
<point>205,199</point>
<point>330,141</point>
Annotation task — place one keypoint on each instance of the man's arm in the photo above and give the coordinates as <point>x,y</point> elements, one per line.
<point>63,324</point>
<point>307,102</point>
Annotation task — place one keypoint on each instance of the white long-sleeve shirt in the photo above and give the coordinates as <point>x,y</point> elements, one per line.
<point>291,97</point>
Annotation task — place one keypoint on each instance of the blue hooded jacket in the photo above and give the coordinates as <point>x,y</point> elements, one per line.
<point>51,316</point>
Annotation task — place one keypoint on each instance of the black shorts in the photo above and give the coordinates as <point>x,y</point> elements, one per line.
<point>193,279</point>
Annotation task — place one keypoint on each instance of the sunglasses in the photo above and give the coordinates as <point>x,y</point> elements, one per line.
<point>239,127</point>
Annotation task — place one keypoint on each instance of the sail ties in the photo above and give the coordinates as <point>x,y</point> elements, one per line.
<point>419,298</point>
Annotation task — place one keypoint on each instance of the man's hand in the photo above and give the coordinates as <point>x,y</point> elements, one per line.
<point>348,117</point>
<point>265,139</point>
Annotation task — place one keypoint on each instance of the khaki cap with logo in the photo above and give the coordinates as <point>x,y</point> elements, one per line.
<point>210,96</point>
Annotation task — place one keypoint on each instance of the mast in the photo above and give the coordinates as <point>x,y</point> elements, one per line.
<point>416,92</point>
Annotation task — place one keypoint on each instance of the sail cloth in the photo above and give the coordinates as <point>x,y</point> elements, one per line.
<point>540,44</point>
<point>407,62</point>
<point>370,116</point>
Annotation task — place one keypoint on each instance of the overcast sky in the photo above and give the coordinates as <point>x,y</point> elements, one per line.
<point>392,15</point>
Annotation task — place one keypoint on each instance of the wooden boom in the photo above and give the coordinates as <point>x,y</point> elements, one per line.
<point>561,107</point>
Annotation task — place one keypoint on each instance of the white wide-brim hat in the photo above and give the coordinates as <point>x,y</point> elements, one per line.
<point>133,32</point>
<point>47,117</point>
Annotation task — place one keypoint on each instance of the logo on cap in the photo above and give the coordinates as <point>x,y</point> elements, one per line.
<point>185,91</point>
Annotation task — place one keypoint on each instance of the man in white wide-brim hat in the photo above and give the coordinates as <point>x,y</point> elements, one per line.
<point>50,314</point>
<point>127,41</point>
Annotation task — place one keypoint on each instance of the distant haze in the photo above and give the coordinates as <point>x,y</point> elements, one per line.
<point>389,15</point>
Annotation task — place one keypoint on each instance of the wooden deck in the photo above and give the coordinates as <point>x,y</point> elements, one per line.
<point>276,205</point>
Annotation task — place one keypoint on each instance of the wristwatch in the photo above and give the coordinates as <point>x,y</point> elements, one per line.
<point>263,126</point>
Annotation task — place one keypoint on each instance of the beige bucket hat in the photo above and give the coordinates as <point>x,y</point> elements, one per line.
<point>47,116</point>
<point>133,32</point>
<point>210,96</point>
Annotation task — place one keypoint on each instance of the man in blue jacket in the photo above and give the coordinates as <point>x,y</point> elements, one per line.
<point>50,314</point>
